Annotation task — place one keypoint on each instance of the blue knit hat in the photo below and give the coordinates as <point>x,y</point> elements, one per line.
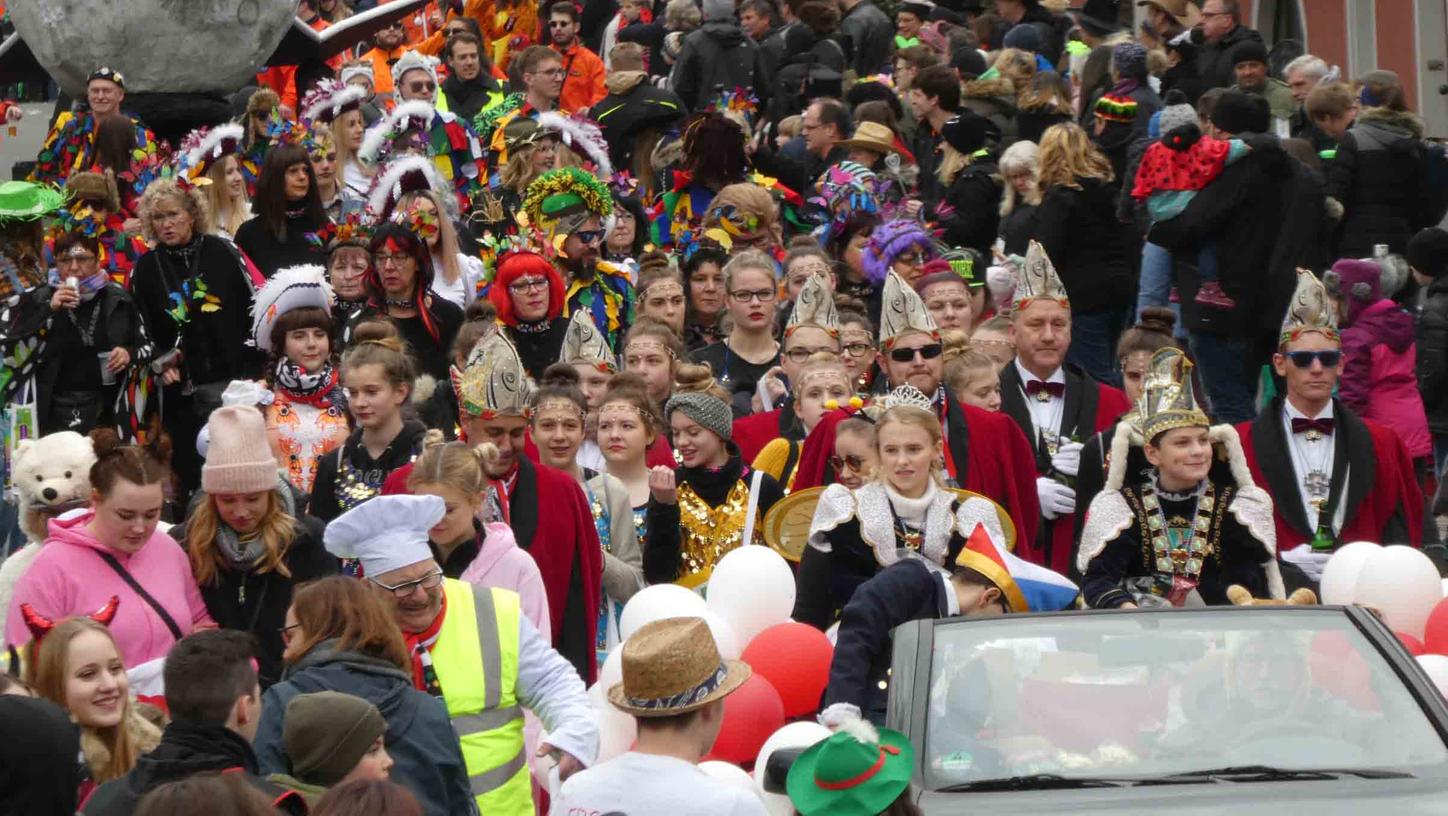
<point>1129,60</point>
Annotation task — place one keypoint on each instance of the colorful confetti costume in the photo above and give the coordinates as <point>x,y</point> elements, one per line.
<point>609,297</point>
<point>119,249</point>
<point>457,155</point>
<point>70,148</point>
<point>678,216</point>
<point>306,421</point>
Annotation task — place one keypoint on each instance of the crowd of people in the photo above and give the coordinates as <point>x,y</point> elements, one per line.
<point>342,434</point>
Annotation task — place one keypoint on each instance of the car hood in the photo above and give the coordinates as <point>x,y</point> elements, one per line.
<point>1400,797</point>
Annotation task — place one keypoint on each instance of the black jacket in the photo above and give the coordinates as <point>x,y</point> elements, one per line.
<point>925,144</point>
<point>869,34</point>
<point>718,58</point>
<point>1018,228</point>
<point>1432,357</point>
<point>256,602</point>
<point>905,591</point>
<point>798,176</point>
<point>1380,176</point>
<point>324,502</point>
<point>623,114</point>
<point>465,98</point>
<point>188,749</point>
<point>663,555</point>
<point>995,99</point>
<point>974,202</point>
<point>270,254</point>
<point>1088,245</point>
<point>1216,62</point>
<point>118,324</point>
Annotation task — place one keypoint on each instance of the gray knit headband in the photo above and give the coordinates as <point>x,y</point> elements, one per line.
<point>705,409</point>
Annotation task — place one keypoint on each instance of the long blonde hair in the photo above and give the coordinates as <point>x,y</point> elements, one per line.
<point>277,530</point>
<point>952,161</point>
<point>229,213</point>
<point>46,674</point>
<point>1067,155</point>
<point>447,236</point>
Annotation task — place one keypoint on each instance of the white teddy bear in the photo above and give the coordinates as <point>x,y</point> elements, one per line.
<point>51,476</point>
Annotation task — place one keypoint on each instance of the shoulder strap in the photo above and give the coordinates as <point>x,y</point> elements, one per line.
<point>141,591</point>
<point>753,508</point>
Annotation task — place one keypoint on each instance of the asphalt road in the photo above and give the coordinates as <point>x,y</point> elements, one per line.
<point>29,133</point>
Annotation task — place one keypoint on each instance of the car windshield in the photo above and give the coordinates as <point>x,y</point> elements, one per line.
<point>1148,695</point>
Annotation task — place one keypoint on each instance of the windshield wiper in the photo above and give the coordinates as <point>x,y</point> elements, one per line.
<point>1040,781</point>
<point>1268,773</point>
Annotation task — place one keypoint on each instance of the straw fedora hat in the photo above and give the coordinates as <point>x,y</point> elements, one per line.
<point>871,136</point>
<point>672,666</point>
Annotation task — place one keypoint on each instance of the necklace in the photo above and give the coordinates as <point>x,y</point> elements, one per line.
<point>1316,481</point>
<point>407,303</point>
<point>1180,552</point>
<point>708,533</point>
<point>88,333</point>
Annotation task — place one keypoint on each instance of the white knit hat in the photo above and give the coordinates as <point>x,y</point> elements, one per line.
<point>410,60</point>
<point>238,458</point>
<point>386,532</point>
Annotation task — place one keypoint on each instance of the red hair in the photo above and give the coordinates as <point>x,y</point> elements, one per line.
<point>517,265</point>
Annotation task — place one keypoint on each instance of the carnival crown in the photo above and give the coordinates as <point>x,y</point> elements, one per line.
<point>563,192</point>
<point>494,383</point>
<point>414,116</point>
<point>815,306</point>
<point>330,99</point>
<point>204,146</point>
<point>906,396</point>
<point>902,311</point>
<point>1037,279</point>
<point>403,175</point>
<point>1167,400</point>
<point>582,343</point>
<point>1310,310</point>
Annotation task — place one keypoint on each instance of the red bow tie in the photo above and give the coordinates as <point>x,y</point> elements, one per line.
<point>1322,426</point>
<point>1034,388</point>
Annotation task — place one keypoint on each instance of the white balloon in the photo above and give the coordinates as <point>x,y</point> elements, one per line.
<point>724,637</point>
<point>794,735</point>
<point>1445,587</point>
<point>656,603</point>
<point>1436,667</point>
<point>728,773</point>
<point>1403,584</point>
<point>1339,577</point>
<point>610,673</point>
<point>753,589</point>
<point>616,730</point>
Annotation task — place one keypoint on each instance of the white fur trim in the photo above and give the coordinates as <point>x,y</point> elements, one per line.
<point>408,113</point>
<point>210,143</point>
<point>11,571</point>
<point>1106,518</point>
<point>360,70</point>
<point>387,186</point>
<point>1125,436</point>
<point>293,287</point>
<point>411,60</point>
<point>423,388</point>
<point>334,102</point>
<point>580,135</point>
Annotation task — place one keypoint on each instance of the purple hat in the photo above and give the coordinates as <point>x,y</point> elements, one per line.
<point>1356,283</point>
<point>890,240</point>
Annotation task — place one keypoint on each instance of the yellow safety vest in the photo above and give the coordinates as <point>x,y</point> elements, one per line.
<point>476,660</point>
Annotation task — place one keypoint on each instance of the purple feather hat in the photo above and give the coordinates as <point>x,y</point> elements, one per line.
<point>889,241</point>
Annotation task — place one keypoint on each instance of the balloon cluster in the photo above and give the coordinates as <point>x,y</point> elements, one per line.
<point>750,597</point>
<point>1403,586</point>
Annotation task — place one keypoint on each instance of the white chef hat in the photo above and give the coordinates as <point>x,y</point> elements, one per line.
<point>386,532</point>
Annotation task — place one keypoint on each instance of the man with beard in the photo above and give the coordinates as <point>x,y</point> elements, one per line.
<point>389,47</point>
<point>493,407</point>
<point>1055,404</point>
<point>984,452</point>
<point>70,146</point>
<point>473,648</point>
<point>573,210</point>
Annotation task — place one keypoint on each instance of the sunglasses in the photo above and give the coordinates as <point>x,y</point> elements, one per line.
<point>905,355</point>
<point>590,236</point>
<point>421,87</point>
<point>560,23</point>
<point>1303,359</point>
<point>853,462</point>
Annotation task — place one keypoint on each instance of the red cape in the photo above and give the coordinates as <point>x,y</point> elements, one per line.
<point>559,539</point>
<point>1386,508</point>
<point>753,432</point>
<point>1001,467</point>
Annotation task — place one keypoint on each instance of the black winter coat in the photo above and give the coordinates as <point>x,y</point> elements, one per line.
<point>1432,358</point>
<point>1018,228</point>
<point>1216,62</point>
<point>1088,245</point>
<point>869,34</point>
<point>663,556</point>
<point>257,602</point>
<point>269,254</point>
<point>974,199</point>
<point>118,324</point>
<point>1380,176</point>
<point>718,58</point>
<point>623,116</point>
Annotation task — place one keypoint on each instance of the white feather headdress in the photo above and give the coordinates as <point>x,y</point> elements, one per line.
<point>401,176</point>
<point>331,99</point>
<point>293,287</point>
<point>581,135</point>
<point>414,115</point>
<point>202,147</point>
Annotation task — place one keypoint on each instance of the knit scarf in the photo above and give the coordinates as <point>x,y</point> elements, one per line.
<point>1125,86</point>
<point>242,552</point>
<point>319,389</point>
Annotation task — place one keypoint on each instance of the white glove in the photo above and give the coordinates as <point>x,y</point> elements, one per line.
<point>1056,499</point>
<point>1067,458</point>
<point>1310,561</point>
<point>837,714</point>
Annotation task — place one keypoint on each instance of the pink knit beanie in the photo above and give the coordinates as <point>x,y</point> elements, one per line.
<point>239,459</point>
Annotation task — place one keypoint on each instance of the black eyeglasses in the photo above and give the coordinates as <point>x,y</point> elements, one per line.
<point>1303,359</point>
<point>590,236</point>
<point>428,581</point>
<point>853,462</point>
<point>905,355</point>
<point>286,632</point>
<point>858,349</point>
<point>799,355</point>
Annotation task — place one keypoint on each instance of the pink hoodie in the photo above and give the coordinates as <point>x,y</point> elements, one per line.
<point>70,578</point>
<point>501,563</point>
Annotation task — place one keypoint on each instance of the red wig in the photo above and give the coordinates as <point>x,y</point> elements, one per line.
<point>517,265</point>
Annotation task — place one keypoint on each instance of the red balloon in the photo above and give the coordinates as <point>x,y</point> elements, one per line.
<point>1412,644</point>
<point>795,659</point>
<point>1435,631</point>
<point>751,714</point>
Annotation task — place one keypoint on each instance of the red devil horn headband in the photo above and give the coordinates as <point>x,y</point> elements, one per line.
<point>40,626</point>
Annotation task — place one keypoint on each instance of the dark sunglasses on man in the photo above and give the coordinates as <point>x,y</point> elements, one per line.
<point>905,355</point>
<point>1303,359</point>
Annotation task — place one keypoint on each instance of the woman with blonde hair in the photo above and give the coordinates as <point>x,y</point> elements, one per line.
<point>456,274</point>
<point>972,184</point>
<point>904,506</point>
<point>341,635</point>
<point>1020,168</point>
<point>1077,226</point>
<point>76,664</point>
<point>748,213</point>
<point>532,151</point>
<point>995,94</point>
<point>248,543</point>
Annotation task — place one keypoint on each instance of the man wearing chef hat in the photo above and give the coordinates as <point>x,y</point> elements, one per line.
<point>473,647</point>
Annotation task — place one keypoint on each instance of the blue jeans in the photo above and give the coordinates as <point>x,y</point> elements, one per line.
<point>1224,363</point>
<point>1093,344</point>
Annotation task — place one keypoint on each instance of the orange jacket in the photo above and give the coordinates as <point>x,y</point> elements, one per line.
<point>382,67</point>
<point>583,82</point>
